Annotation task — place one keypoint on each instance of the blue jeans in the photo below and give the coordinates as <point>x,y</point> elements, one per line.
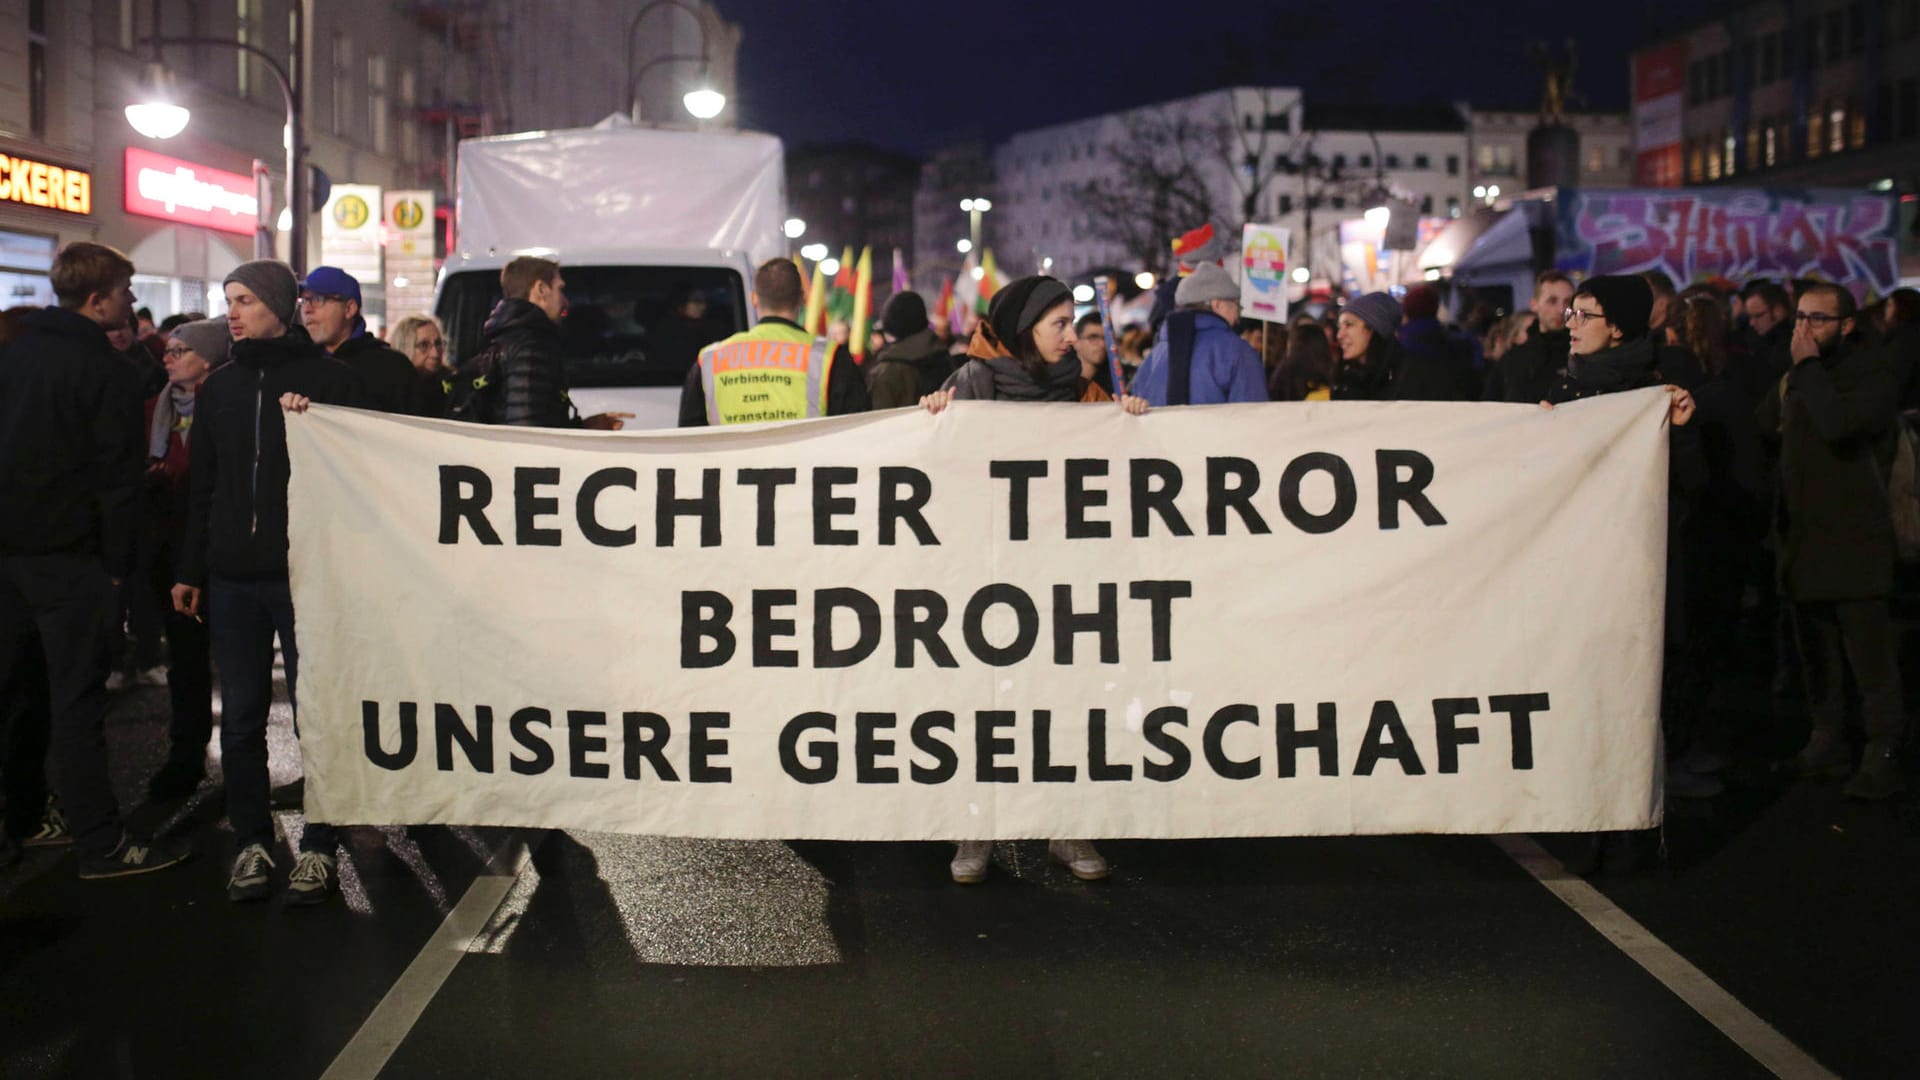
<point>243,617</point>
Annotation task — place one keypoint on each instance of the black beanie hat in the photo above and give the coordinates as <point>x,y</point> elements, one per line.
<point>1625,299</point>
<point>1017,307</point>
<point>905,315</point>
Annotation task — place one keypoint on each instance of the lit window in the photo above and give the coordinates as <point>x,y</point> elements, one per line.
<point>1837,127</point>
<point>246,14</point>
<point>1727,154</point>
<point>1773,146</point>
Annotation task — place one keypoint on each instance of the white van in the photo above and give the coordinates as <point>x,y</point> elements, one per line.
<point>657,234</point>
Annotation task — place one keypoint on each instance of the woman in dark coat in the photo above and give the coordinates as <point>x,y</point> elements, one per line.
<point>1024,351</point>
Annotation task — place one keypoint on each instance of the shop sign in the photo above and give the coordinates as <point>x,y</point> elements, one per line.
<point>50,187</point>
<point>162,187</point>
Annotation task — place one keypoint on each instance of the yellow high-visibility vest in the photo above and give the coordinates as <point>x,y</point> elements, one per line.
<point>771,372</point>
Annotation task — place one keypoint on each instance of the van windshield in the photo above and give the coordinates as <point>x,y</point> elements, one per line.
<point>625,325</point>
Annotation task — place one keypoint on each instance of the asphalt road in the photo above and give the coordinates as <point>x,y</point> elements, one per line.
<point>613,955</point>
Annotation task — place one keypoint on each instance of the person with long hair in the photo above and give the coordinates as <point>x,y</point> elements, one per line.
<point>1305,371</point>
<point>1023,351</point>
<point>1370,353</point>
<point>420,339</point>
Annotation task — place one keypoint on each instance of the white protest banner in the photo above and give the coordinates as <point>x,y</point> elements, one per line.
<point>1009,620</point>
<point>1263,273</point>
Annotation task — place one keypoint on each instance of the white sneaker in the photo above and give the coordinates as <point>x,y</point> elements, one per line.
<point>970,860</point>
<point>153,676</point>
<point>312,879</point>
<point>117,681</point>
<point>1078,856</point>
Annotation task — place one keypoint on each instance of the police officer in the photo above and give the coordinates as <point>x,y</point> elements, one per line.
<point>775,371</point>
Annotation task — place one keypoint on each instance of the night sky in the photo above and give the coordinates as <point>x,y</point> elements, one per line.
<point>916,77</point>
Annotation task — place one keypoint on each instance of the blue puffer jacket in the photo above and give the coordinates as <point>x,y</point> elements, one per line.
<point>1225,369</point>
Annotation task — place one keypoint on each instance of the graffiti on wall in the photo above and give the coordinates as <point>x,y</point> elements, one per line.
<point>1847,237</point>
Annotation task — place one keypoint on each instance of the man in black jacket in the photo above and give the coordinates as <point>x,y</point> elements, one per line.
<point>1832,417</point>
<point>1532,368</point>
<point>234,555</point>
<point>71,463</point>
<point>330,310</point>
<point>528,357</point>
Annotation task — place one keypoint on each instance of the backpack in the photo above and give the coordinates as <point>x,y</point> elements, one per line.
<point>474,389</point>
<point>1903,487</point>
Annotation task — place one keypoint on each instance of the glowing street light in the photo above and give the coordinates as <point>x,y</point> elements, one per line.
<point>814,252</point>
<point>1378,216</point>
<point>1302,275</point>
<point>963,246</point>
<point>973,208</point>
<point>158,113</point>
<point>794,228</point>
<point>1144,279</point>
<point>830,267</point>
<point>1479,191</point>
<point>704,103</point>
<point>1083,294</point>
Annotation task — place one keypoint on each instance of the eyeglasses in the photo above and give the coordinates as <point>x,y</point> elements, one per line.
<point>1815,318</point>
<point>1575,316</point>
<point>316,301</point>
<point>176,350</point>
<point>436,345</point>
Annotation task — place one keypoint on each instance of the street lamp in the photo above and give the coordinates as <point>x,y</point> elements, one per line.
<point>703,101</point>
<point>794,228</point>
<point>814,252</point>
<point>974,208</point>
<point>963,245</point>
<point>159,115</point>
<point>1144,280</point>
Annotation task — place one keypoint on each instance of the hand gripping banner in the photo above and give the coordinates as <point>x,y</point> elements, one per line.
<point>1005,621</point>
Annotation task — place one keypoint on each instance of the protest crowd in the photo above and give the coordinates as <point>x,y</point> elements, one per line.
<point>144,477</point>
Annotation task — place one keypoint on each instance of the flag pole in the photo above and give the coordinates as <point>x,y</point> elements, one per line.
<point>1106,330</point>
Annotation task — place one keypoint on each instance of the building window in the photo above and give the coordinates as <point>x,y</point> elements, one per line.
<point>246,28</point>
<point>1837,126</point>
<point>342,85</point>
<point>1453,206</point>
<point>1773,146</point>
<point>1339,161</point>
<point>1769,59</point>
<point>1856,127</point>
<point>1696,165</point>
<point>1286,205</point>
<point>1426,204</point>
<point>409,128</point>
<point>1366,161</point>
<point>377,114</point>
<point>1392,161</point>
<point>1727,151</point>
<point>1816,132</point>
<point>1810,40</point>
<point>1753,145</point>
<point>1713,161</point>
<point>1339,202</point>
<point>1596,160</point>
<point>37,67</point>
<point>1453,164</point>
<point>1422,161</point>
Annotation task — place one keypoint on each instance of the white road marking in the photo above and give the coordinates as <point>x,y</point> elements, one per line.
<point>1761,1040</point>
<point>387,1026</point>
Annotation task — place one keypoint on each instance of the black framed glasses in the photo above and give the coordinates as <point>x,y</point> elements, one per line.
<point>1815,319</point>
<point>1575,316</point>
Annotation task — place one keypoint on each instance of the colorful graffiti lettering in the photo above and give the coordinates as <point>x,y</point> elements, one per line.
<point>1845,237</point>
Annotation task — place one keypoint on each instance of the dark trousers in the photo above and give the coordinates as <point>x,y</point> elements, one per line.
<point>243,618</point>
<point>189,671</point>
<point>1836,635</point>
<point>26,721</point>
<point>70,603</point>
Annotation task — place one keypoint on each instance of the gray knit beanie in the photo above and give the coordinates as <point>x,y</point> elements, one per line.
<point>1379,311</point>
<point>273,282</point>
<point>208,337</point>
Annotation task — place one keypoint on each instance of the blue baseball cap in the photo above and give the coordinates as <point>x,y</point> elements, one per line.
<point>332,281</point>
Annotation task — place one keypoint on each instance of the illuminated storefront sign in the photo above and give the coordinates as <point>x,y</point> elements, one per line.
<point>174,190</point>
<point>50,187</point>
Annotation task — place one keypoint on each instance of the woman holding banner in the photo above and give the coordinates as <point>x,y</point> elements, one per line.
<point>1024,351</point>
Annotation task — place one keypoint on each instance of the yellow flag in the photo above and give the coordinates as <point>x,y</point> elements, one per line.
<point>862,305</point>
<point>816,322</point>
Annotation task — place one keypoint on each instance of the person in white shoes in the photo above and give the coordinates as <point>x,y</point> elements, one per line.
<point>1024,351</point>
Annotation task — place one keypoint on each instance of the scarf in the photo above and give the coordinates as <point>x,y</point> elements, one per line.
<point>172,411</point>
<point>1625,367</point>
<point>1015,381</point>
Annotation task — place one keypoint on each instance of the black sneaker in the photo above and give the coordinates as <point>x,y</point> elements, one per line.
<point>313,878</point>
<point>1878,777</point>
<point>53,831</point>
<point>252,876</point>
<point>135,857</point>
<point>175,780</point>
